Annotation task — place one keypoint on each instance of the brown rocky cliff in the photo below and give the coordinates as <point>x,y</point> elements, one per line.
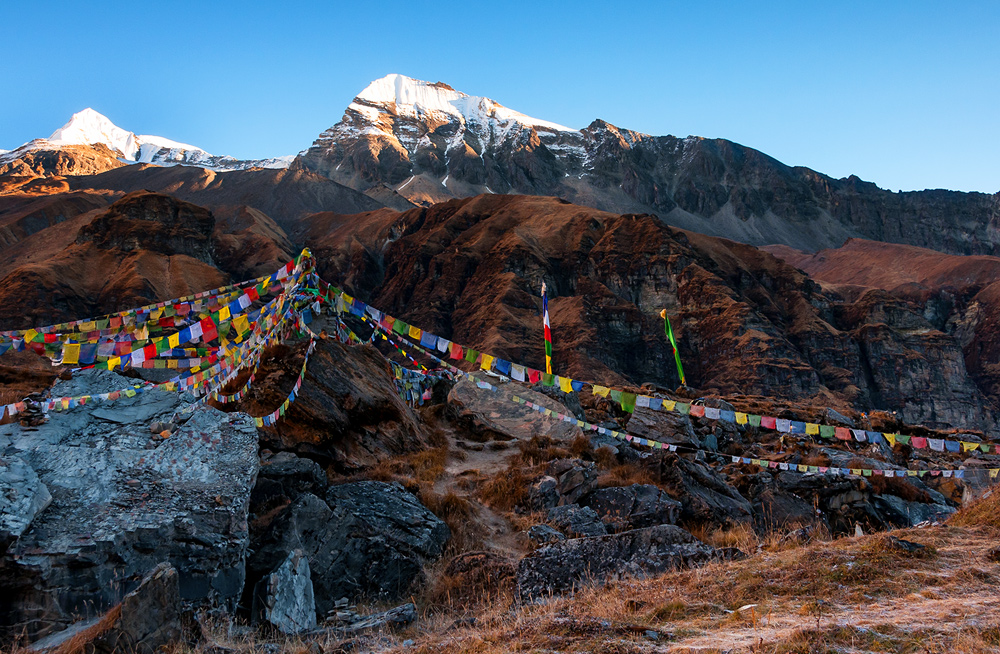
<point>471,270</point>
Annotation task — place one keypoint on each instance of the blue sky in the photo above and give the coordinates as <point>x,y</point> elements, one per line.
<point>904,94</point>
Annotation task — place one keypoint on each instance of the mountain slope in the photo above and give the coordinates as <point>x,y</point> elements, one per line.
<point>470,270</point>
<point>430,143</point>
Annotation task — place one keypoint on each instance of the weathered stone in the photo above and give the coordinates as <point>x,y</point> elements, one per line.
<point>491,416</point>
<point>777,509</point>
<point>575,478</point>
<point>569,400</point>
<point>576,521</point>
<point>284,599</point>
<point>544,534</point>
<point>839,418</point>
<point>902,513</point>
<point>543,494</point>
<point>348,414</point>
<point>663,426</point>
<point>283,478</point>
<point>394,618</point>
<point>369,538</point>
<point>100,534</point>
<point>22,497</point>
<point>704,494</point>
<point>151,615</point>
<point>634,507</point>
<point>564,565</point>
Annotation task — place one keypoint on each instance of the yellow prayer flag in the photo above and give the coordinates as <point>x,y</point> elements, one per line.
<point>174,340</point>
<point>114,362</point>
<point>487,363</point>
<point>86,326</point>
<point>242,324</point>
<point>415,332</point>
<point>993,472</point>
<point>602,390</point>
<point>171,363</point>
<point>565,385</point>
<point>812,428</point>
<point>71,353</point>
<point>968,447</point>
<point>803,468</point>
<point>741,418</point>
<point>669,405</point>
<point>891,438</point>
<point>30,335</point>
<point>224,314</point>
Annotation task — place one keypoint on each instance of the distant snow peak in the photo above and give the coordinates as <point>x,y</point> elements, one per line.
<point>89,127</point>
<point>415,98</point>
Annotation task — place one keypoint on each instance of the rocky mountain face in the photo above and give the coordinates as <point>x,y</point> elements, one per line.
<point>955,295</point>
<point>747,323</point>
<point>406,139</point>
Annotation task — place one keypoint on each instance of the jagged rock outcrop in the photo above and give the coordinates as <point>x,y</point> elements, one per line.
<point>348,414</point>
<point>633,507</point>
<point>123,503</point>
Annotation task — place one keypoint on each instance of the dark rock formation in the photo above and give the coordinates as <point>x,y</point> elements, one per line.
<point>348,414</point>
<point>633,507</point>
<point>705,495</point>
<point>576,521</point>
<point>567,564</point>
<point>368,539</point>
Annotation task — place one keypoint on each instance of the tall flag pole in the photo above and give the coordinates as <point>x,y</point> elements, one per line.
<point>673,344</point>
<point>548,331</point>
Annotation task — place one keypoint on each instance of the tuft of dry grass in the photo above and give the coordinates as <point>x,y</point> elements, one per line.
<point>538,450</point>
<point>81,642</point>
<point>984,512</point>
<point>626,474</point>
<point>506,489</point>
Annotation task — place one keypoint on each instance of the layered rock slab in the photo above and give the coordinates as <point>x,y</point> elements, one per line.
<point>123,503</point>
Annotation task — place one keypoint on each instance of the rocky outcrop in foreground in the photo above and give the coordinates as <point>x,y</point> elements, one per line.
<point>123,501</point>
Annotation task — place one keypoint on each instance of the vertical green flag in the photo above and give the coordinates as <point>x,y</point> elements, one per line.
<point>673,344</point>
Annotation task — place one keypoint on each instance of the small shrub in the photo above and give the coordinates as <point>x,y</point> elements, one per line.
<point>505,490</point>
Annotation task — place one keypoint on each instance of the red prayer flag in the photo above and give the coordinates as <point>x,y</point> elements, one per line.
<point>767,422</point>
<point>697,410</point>
<point>534,376</point>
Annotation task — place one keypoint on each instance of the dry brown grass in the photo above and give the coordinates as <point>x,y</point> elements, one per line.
<point>81,642</point>
<point>506,489</point>
<point>538,450</point>
<point>426,466</point>
<point>626,474</point>
<point>984,512</point>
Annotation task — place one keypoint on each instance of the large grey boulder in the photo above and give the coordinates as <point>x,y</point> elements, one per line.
<point>663,426</point>
<point>282,478</point>
<point>634,507</point>
<point>903,513</point>
<point>123,503</point>
<point>284,599</point>
<point>367,538</point>
<point>704,494</point>
<point>574,478</point>
<point>491,415</point>
<point>22,497</point>
<point>576,521</point>
<point>571,563</point>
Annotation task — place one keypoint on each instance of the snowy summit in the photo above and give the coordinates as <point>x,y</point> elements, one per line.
<point>416,98</point>
<point>88,127</point>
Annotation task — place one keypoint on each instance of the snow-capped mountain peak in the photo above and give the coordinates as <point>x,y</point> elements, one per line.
<point>415,98</point>
<point>89,127</point>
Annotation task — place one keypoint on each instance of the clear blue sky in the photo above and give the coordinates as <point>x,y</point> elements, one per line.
<point>904,94</point>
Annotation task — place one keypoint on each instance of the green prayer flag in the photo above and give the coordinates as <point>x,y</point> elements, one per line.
<point>548,380</point>
<point>471,355</point>
<point>628,402</point>
<point>753,420</point>
<point>827,431</point>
